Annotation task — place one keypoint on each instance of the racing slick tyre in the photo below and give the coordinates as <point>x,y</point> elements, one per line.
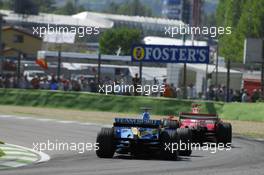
<point>170,124</point>
<point>224,133</point>
<point>228,128</point>
<point>168,140</point>
<point>105,140</point>
<point>185,136</point>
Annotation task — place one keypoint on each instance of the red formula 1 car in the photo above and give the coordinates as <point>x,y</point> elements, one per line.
<point>206,127</point>
<point>201,127</point>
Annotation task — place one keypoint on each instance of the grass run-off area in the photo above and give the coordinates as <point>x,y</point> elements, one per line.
<point>127,104</point>
<point>1,153</point>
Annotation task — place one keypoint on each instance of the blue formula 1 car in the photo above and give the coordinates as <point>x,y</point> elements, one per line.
<point>140,137</point>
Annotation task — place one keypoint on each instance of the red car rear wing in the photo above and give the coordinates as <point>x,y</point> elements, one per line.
<point>184,115</point>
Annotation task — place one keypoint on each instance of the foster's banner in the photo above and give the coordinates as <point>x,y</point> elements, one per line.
<point>170,54</point>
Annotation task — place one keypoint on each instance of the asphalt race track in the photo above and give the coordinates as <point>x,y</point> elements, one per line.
<point>246,156</point>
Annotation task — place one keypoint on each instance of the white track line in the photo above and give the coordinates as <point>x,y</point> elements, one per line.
<point>55,120</point>
<point>13,164</point>
<point>11,153</point>
<point>18,156</point>
<point>43,157</point>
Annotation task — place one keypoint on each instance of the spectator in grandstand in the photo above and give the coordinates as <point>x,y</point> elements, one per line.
<point>244,97</point>
<point>53,83</point>
<point>35,82</point>
<point>211,93</point>
<point>1,82</point>
<point>45,83</point>
<point>93,86</point>
<point>155,83</point>
<point>255,96</point>
<point>75,85</point>
<point>191,91</point>
<point>24,83</point>
<point>231,95</point>
<point>167,91</point>
<point>66,85</point>
<point>179,92</point>
<point>136,82</point>
<point>173,90</point>
<point>6,82</point>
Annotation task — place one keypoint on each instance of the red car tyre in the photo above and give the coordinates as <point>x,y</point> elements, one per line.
<point>224,133</point>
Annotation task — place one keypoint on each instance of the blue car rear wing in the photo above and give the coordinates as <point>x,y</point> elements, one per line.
<point>130,122</point>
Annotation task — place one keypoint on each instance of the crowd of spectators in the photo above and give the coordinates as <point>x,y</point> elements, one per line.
<point>46,83</point>
<point>219,93</point>
<point>214,93</point>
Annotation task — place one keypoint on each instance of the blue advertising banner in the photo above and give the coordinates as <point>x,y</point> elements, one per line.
<point>170,54</point>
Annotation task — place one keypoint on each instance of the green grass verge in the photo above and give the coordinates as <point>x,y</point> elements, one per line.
<point>127,104</point>
<point>98,102</point>
<point>243,111</point>
<point>1,153</point>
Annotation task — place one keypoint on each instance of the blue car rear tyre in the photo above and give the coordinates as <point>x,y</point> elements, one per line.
<point>105,140</point>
